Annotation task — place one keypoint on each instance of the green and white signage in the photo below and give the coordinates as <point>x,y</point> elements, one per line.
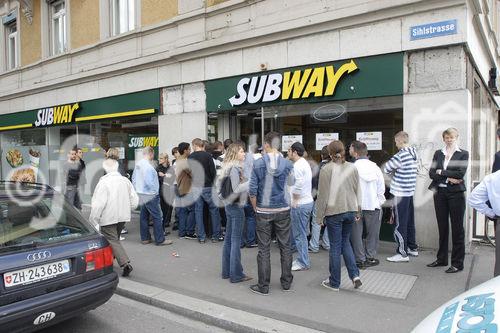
<point>339,80</point>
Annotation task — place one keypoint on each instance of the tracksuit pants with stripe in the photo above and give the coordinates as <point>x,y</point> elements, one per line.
<point>404,225</point>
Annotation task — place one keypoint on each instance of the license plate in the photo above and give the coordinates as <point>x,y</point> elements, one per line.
<point>35,274</point>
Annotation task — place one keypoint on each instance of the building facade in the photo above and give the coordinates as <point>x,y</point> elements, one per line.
<point>313,70</point>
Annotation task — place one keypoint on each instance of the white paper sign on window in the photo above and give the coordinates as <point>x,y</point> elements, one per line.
<point>324,139</point>
<point>121,151</point>
<point>373,140</point>
<point>288,140</point>
<point>138,154</point>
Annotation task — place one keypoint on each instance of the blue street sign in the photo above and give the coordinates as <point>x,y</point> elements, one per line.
<point>431,30</point>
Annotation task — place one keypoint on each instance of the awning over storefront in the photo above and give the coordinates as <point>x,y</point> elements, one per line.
<point>134,104</point>
<point>353,78</point>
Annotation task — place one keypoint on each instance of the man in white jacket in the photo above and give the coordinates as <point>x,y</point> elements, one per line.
<point>373,189</point>
<point>114,197</point>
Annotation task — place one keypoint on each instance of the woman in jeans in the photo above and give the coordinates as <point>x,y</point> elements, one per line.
<point>165,178</point>
<point>232,169</point>
<point>338,203</point>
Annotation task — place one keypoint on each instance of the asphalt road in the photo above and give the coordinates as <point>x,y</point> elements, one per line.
<point>121,314</point>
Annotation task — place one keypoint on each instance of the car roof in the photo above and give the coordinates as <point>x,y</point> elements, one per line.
<point>9,189</point>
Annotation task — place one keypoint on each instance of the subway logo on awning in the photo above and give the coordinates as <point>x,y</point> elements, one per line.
<point>298,84</point>
<point>56,115</point>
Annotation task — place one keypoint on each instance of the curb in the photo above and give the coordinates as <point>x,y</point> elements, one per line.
<point>207,312</point>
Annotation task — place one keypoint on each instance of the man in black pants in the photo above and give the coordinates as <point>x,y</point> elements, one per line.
<point>72,171</point>
<point>268,184</point>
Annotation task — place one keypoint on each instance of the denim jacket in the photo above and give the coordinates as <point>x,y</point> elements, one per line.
<point>268,184</point>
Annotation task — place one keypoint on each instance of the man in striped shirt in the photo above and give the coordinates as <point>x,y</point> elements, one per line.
<point>403,169</point>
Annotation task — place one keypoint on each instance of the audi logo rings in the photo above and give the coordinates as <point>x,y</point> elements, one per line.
<point>39,256</point>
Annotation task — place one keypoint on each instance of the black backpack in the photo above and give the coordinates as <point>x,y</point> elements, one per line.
<point>226,190</point>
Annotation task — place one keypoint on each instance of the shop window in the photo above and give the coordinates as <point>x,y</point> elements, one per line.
<point>11,40</point>
<point>24,152</point>
<point>315,124</point>
<point>476,131</point>
<point>372,120</point>
<point>58,33</point>
<point>122,16</point>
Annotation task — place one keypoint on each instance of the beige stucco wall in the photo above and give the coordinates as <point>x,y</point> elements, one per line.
<point>30,36</point>
<point>214,2</point>
<point>84,16</point>
<point>155,11</point>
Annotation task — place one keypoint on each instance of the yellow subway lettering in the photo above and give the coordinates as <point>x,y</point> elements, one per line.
<point>316,83</point>
<point>294,85</point>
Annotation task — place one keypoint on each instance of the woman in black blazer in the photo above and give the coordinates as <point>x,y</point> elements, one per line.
<point>447,172</point>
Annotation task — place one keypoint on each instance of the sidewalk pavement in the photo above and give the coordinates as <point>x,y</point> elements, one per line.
<point>195,274</point>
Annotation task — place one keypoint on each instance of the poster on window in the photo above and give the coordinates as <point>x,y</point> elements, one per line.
<point>138,154</point>
<point>121,152</point>
<point>25,163</point>
<point>288,140</point>
<point>324,139</point>
<point>137,143</point>
<point>373,140</point>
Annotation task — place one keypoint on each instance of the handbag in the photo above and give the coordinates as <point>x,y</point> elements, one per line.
<point>226,188</point>
<point>226,192</point>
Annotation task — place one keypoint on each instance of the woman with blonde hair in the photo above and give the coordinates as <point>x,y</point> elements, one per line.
<point>338,204</point>
<point>166,177</point>
<point>447,172</point>
<point>114,154</point>
<point>231,188</point>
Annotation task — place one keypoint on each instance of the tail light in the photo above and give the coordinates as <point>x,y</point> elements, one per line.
<point>99,259</point>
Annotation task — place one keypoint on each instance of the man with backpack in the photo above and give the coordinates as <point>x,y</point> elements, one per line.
<point>184,201</point>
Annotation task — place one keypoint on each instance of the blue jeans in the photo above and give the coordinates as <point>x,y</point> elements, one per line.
<point>231,255</point>
<point>150,207</point>
<point>249,228</point>
<point>315,233</point>
<point>300,223</point>
<point>339,231</point>
<point>186,220</point>
<point>206,196</point>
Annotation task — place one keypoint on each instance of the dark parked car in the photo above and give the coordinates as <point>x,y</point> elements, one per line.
<point>53,263</point>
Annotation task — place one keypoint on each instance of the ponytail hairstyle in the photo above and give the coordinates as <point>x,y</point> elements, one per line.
<point>336,150</point>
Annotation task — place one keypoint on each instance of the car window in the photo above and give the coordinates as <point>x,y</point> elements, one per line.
<point>39,221</point>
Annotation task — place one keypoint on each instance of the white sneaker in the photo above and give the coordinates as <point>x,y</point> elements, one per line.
<point>357,282</point>
<point>297,267</point>
<point>122,238</point>
<point>398,258</point>
<point>413,253</point>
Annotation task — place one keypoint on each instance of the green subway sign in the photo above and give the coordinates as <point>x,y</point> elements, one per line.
<point>339,80</point>
<point>134,104</point>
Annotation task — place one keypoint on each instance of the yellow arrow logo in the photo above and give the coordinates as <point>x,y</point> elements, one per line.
<point>334,77</point>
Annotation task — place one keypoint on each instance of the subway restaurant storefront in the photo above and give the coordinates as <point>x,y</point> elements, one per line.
<point>38,141</point>
<point>354,99</point>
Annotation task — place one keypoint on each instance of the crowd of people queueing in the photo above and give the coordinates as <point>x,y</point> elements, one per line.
<point>264,196</point>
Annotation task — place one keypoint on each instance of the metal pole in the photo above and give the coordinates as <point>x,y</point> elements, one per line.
<point>262,126</point>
